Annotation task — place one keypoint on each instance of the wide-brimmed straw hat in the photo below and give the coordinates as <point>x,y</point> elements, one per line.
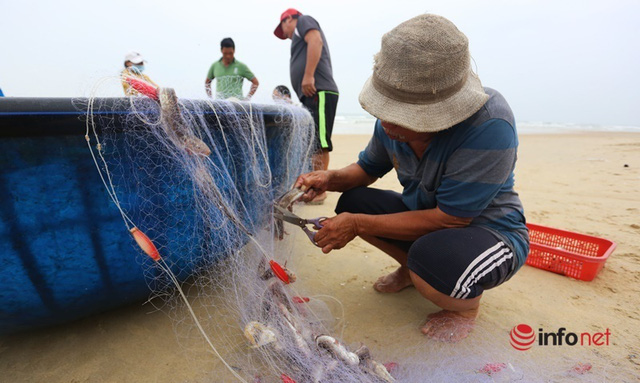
<point>422,78</point>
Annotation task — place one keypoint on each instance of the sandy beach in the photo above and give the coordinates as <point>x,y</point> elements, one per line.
<point>583,182</point>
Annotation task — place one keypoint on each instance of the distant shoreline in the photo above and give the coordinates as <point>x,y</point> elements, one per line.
<point>363,125</point>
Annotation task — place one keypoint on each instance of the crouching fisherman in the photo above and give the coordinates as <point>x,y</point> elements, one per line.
<point>458,228</point>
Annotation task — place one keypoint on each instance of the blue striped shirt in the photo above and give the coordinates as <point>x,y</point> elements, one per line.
<point>466,171</point>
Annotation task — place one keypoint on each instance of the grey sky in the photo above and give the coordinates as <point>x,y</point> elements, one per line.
<point>555,61</point>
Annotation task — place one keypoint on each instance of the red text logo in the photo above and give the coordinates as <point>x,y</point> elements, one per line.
<point>522,337</point>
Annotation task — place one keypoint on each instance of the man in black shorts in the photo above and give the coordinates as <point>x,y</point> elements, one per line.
<point>458,228</point>
<point>312,79</point>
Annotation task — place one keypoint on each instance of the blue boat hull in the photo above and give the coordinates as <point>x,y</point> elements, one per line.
<point>64,250</point>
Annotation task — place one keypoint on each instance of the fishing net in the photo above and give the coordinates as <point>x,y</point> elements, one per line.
<point>196,183</point>
<point>229,87</point>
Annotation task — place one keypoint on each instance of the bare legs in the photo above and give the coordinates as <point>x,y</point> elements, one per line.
<point>457,317</point>
<point>397,280</point>
<point>320,162</point>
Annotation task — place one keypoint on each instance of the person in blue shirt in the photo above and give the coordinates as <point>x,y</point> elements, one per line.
<point>458,227</point>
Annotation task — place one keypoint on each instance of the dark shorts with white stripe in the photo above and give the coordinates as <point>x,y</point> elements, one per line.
<point>323,107</point>
<point>461,263</point>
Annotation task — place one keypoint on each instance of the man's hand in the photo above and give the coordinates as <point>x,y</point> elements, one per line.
<point>254,87</point>
<point>308,85</point>
<point>336,232</point>
<point>313,183</point>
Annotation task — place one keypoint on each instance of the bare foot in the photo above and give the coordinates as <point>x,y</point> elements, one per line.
<point>393,282</point>
<point>318,200</point>
<point>450,326</point>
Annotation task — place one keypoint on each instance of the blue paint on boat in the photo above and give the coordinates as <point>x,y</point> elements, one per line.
<point>64,250</point>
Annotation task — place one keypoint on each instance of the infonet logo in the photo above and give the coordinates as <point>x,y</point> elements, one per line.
<point>522,337</point>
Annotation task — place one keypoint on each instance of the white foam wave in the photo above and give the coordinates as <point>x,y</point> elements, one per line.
<point>363,124</point>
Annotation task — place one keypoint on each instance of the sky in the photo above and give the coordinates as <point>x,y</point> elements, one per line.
<point>561,61</point>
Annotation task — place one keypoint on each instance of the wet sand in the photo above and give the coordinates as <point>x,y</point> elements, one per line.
<point>577,182</point>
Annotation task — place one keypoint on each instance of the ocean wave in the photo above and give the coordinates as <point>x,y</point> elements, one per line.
<point>363,124</point>
<point>528,127</point>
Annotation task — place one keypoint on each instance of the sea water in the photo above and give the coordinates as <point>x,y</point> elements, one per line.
<point>363,124</point>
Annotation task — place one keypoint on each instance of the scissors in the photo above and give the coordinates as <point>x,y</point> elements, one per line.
<point>283,214</point>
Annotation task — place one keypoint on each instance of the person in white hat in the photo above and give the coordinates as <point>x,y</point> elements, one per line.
<point>458,228</point>
<point>133,67</point>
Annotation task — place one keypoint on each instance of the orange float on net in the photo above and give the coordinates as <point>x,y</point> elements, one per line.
<point>279,272</point>
<point>145,244</point>
<point>286,379</point>
<point>143,87</point>
<point>300,299</point>
<point>391,367</point>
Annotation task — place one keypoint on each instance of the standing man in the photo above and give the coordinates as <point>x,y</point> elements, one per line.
<point>312,79</point>
<point>458,228</point>
<point>230,74</point>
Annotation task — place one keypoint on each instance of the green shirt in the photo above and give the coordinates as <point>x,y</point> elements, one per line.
<point>229,78</point>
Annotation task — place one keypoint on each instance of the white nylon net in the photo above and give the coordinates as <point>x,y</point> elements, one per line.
<point>227,87</point>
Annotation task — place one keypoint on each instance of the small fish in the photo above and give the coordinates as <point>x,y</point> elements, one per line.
<point>338,350</point>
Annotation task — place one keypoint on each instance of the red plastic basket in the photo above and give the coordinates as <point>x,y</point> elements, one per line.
<point>575,255</point>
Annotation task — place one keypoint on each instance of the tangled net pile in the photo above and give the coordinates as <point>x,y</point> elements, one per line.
<point>196,182</point>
